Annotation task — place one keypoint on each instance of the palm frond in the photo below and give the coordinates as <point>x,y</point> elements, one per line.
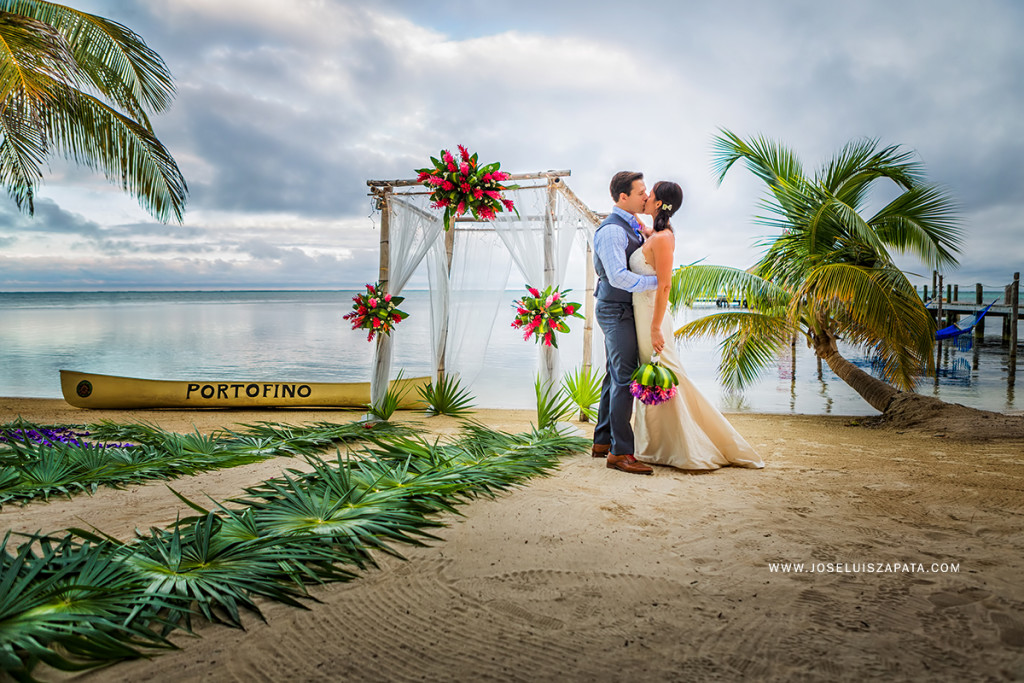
<point>922,221</point>
<point>752,342</point>
<point>877,307</point>
<point>690,283</point>
<point>850,172</point>
<point>89,132</point>
<point>115,60</point>
<point>770,161</point>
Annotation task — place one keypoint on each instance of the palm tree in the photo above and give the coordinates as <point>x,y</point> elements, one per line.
<point>81,86</point>
<point>829,273</point>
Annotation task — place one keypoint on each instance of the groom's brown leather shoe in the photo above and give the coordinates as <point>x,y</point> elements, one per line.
<point>600,450</point>
<point>627,463</point>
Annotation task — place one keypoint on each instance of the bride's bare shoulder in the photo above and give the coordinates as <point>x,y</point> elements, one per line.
<point>664,239</point>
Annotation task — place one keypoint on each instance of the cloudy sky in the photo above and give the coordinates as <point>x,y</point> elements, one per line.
<point>286,107</point>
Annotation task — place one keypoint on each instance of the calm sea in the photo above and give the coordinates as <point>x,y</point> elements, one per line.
<point>301,336</point>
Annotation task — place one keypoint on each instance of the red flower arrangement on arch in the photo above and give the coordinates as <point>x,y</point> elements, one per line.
<point>542,314</point>
<point>464,186</point>
<point>376,311</point>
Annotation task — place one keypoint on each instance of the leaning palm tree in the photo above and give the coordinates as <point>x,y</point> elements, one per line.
<point>80,86</point>
<point>828,274</point>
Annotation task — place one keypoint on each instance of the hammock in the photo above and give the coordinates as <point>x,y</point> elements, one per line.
<point>962,326</point>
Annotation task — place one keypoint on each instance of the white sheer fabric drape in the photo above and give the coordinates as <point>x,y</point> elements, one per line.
<point>479,277</point>
<point>540,240</point>
<point>413,231</point>
<point>467,296</point>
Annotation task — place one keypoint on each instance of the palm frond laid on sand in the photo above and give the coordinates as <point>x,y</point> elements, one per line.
<point>88,598</point>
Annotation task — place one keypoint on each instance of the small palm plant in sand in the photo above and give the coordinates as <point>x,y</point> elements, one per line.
<point>445,396</point>
<point>583,386</point>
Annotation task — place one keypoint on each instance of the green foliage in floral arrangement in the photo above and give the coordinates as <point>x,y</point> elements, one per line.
<point>583,386</point>
<point>446,397</point>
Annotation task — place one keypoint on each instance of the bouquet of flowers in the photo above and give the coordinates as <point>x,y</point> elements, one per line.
<point>376,311</point>
<point>465,185</point>
<point>653,383</point>
<point>542,314</point>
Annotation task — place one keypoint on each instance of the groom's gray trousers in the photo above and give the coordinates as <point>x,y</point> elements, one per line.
<point>616,408</point>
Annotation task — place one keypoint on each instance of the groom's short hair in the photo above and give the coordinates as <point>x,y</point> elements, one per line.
<point>622,183</point>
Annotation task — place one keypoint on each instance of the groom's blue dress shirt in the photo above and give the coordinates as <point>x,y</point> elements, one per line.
<point>610,246</point>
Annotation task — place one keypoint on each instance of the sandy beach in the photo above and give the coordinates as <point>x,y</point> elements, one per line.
<point>910,541</point>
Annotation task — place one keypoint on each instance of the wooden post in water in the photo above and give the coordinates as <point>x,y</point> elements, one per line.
<point>1007,299</point>
<point>979,299</point>
<point>938,323</point>
<point>949,299</point>
<point>1014,316</point>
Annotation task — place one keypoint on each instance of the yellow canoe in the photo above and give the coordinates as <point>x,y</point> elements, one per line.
<point>87,390</point>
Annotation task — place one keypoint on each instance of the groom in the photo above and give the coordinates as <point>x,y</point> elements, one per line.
<point>615,240</point>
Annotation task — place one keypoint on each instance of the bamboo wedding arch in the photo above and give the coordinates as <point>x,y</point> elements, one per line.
<point>547,226</point>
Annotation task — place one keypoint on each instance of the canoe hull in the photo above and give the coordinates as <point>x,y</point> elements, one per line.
<point>88,390</point>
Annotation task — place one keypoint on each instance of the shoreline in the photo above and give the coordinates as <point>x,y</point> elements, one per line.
<point>591,574</point>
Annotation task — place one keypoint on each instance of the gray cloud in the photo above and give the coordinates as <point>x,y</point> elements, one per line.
<point>287,115</point>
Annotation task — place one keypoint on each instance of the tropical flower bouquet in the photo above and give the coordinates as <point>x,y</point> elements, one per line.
<point>542,314</point>
<point>465,185</point>
<point>376,311</point>
<point>653,383</point>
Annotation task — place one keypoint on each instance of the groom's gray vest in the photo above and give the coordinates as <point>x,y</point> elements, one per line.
<point>605,291</point>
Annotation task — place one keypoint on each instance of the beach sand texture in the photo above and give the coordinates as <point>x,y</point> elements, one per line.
<point>592,574</point>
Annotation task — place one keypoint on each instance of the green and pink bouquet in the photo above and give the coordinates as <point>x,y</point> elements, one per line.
<point>542,314</point>
<point>653,383</point>
<point>461,186</point>
<point>376,311</point>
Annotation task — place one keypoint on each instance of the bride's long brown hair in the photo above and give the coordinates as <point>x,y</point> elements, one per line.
<point>670,194</point>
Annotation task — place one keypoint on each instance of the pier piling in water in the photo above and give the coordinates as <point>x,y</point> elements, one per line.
<point>947,309</point>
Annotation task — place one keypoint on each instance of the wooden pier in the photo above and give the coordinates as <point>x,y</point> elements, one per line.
<point>947,309</point>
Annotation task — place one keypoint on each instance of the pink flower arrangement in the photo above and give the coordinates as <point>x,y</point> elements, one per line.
<point>653,383</point>
<point>542,314</point>
<point>466,186</point>
<point>651,396</point>
<point>376,311</point>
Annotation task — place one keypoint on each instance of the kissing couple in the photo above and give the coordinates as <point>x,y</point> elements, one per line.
<point>634,270</point>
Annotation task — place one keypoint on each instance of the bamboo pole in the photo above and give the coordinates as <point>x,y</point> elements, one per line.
<point>382,350</point>
<point>514,176</point>
<point>449,253</point>
<point>384,269</point>
<point>548,354</point>
<point>588,322</point>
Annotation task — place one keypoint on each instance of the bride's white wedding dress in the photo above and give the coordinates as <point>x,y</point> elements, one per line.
<point>686,431</point>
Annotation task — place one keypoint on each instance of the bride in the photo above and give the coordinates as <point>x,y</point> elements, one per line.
<point>686,431</point>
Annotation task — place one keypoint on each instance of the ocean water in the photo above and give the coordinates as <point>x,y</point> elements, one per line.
<point>301,336</point>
